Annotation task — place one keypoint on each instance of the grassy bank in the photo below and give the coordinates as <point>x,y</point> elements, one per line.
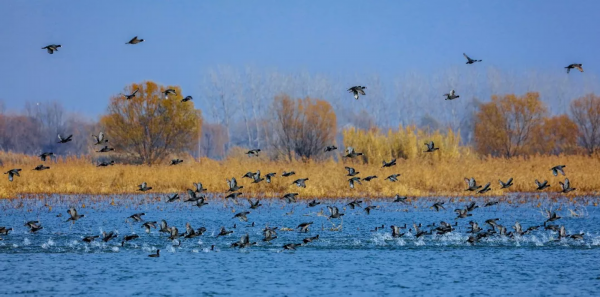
<point>420,177</point>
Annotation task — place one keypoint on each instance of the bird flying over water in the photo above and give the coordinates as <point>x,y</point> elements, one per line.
<point>566,186</point>
<point>74,216</point>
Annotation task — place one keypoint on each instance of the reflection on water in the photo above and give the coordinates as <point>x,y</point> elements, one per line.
<point>351,255</point>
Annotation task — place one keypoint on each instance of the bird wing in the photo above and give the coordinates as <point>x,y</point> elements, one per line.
<point>469,59</point>
<point>361,91</point>
<point>133,39</point>
<point>191,193</point>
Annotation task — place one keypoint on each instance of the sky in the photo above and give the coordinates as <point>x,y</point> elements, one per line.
<point>186,38</point>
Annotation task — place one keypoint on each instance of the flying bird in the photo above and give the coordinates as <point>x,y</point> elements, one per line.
<point>253,153</point>
<point>389,164</point>
<point>507,184</point>
<point>99,139</point>
<point>431,147</point>
<point>144,187</point>
<point>74,216</point>
<point>41,167</point>
<point>64,140</point>
<point>469,60</point>
<point>451,96</point>
<point>356,90</point>
<point>132,95</point>
<point>11,173</point>
<point>574,66</point>
<point>52,48</point>
<point>135,40</point>
<point>558,169</point>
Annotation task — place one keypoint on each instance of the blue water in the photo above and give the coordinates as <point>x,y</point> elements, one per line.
<point>350,258</point>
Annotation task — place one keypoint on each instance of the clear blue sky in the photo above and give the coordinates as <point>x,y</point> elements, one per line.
<point>185,38</point>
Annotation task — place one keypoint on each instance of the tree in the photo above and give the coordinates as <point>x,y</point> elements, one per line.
<point>149,126</point>
<point>556,135</point>
<point>303,127</point>
<point>212,143</point>
<point>586,114</point>
<point>504,126</point>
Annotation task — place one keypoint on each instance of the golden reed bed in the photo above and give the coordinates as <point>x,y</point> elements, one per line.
<point>420,177</point>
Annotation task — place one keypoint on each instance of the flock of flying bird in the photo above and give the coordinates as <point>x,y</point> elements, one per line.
<point>198,195</point>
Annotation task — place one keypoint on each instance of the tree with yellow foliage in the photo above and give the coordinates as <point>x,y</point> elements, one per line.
<point>149,127</point>
<point>504,126</point>
<point>302,127</point>
<point>556,135</point>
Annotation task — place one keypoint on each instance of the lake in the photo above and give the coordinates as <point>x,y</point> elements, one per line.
<point>350,257</point>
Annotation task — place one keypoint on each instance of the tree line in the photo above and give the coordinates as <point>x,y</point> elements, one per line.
<point>149,128</point>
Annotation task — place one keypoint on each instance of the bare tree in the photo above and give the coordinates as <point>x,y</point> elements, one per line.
<point>586,114</point>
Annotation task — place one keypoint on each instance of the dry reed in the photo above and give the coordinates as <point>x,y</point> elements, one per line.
<point>427,175</point>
